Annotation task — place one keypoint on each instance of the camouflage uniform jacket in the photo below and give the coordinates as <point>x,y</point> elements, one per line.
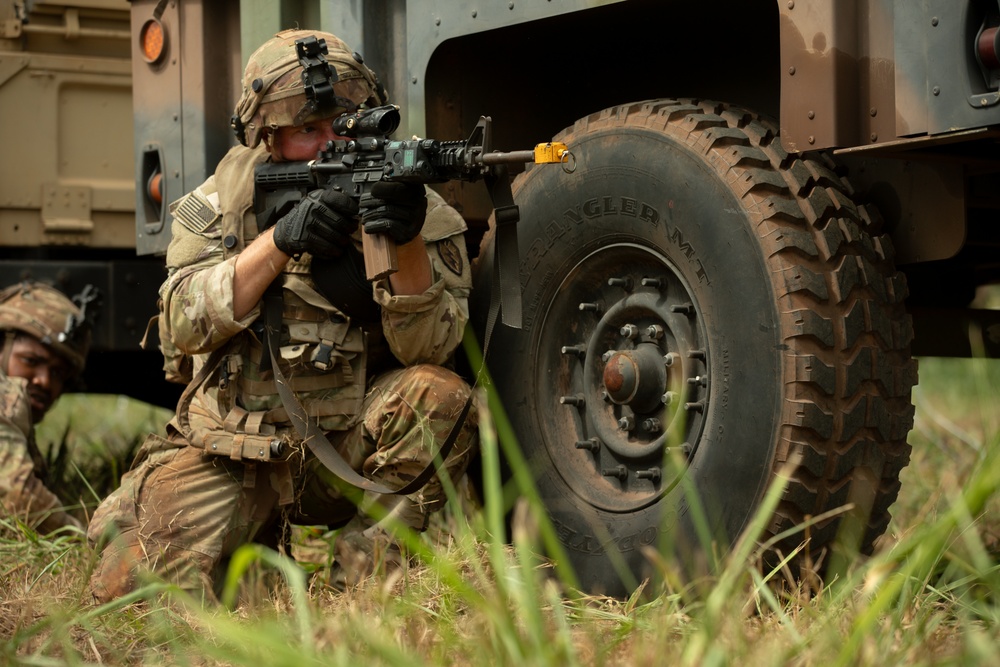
<point>326,351</point>
<point>22,492</point>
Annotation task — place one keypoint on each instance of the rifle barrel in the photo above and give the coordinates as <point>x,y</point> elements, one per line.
<point>511,157</point>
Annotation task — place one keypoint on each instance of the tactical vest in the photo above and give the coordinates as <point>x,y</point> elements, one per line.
<point>325,352</point>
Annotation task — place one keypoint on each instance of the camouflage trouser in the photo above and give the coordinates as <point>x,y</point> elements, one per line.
<point>180,513</point>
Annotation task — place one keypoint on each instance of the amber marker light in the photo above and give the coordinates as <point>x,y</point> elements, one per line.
<point>152,41</point>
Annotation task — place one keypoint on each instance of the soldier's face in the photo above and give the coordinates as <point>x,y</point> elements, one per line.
<point>46,372</point>
<point>301,142</point>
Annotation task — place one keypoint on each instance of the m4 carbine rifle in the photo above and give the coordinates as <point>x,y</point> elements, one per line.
<point>355,164</point>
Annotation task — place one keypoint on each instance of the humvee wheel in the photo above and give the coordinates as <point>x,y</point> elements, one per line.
<point>699,307</point>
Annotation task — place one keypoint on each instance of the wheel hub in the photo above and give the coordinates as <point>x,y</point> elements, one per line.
<point>631,378</point>
<point>636,378</point>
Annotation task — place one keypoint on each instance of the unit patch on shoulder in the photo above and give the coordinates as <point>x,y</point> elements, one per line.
<point>450,255</point>
<point>196,213</point>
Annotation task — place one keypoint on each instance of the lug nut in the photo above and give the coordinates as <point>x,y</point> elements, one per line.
<point>606,357</point>
<point>626,423</point>
<point>592,445</point>
<point>654,331</point>
<point>653,474</point>
<point>668,398</point>
<point>629,331</point>
<point>697,406</point>
<point>590,307</point>
<point>576,400</point>
<point>652,425</point>
<point>671,358</point>
<point>620,472</point>
<point>620,282</point>
<point>651,282</point>
<point>578,350</point>
<point>684,308</point>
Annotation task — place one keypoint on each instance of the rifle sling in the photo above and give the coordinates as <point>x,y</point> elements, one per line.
<point>321,447</point>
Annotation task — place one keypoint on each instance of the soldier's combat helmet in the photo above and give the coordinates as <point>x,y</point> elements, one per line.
<point>299,76</point>
<point>51,317</point>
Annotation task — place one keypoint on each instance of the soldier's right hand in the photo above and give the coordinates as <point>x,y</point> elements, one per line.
<point>321,225</point>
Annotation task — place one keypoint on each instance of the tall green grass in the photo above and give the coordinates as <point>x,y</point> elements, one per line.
<point>89,440</point>
<point>481,596</point>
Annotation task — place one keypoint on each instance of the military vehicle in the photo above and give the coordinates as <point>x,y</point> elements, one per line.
<point>67,196</point>
<point>772,207</point>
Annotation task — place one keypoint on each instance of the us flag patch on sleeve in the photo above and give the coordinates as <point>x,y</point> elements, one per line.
<point>195,213</point>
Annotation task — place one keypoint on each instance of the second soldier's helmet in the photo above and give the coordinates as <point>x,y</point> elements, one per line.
<point>50,316</point>
<point>299,76</point>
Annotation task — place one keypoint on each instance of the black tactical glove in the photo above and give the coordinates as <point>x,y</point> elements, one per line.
<point>396,209</point>
<point>321,225</point>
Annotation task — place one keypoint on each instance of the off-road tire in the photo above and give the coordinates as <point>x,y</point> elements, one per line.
<point>737,283</point>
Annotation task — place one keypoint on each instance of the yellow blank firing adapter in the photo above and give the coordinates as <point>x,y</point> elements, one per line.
<point>551,152</point>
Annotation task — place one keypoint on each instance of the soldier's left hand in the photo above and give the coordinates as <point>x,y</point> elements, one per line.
<point>396,209</point>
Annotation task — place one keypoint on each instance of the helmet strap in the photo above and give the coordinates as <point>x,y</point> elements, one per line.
<point>5,351</point>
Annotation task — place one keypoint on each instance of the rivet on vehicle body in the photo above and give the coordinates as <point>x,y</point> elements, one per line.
<point>791,70</point>
<point>873,112</point>
<point>811,139</point>
<point>936,90</point>
<point>791,4</point>
<point>620,472</point>
<point>591,445</point>
<point>934,21</point>
<point>652,474</point>
<point>874,137</point>
<point>811,115</point>
<point>576,400</point>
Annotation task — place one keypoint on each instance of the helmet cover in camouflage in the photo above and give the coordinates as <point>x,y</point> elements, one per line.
<point>48,315</point>
<point>274,92</point>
